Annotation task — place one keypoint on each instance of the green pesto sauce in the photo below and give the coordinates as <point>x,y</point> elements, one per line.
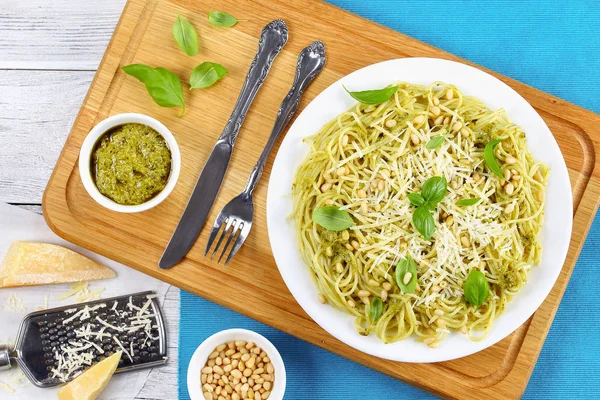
<point>131,164</point>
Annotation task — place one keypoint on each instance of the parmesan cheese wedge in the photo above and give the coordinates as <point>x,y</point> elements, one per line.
<point>90,383</point>
<point>33,263</point>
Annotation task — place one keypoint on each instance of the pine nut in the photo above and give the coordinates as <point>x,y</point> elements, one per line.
<point>270,370</point>
<point>364,208</point>
<point>322,299</point>
<point>465,241</point>
<point>345,140</point>
<point>390,123</point>
<point>464,329</point>
<point>326,186</point>
<point>453,184</point>
<point>457,126</point>
<point>203,378</point>
<point>247,372</point>
<point>349,247</point>
<point>449,94</point>
<point>385,173</point>
<point>516,178</point>
<point>218,370</point>
<point>418,120</point>
<point>441,323</point>
<point>415,139</point>
<point>221,348</point>
<point>439,312</point>
<point>510,160</point>
<point>435,110</point>
<point>476,177</point>
<point>365,300</point>
<point>380,185</point>
<point>267,386</point>
<point>541,196</point>
<point>507,174</point>
<point>219,360</point>
<point>482,265</point>
<point>361,194</point>
<point>339,268</point>
<point>364,293</point>
<point>208,388</point>
<point>407,278</point>
<point>207,370</point>
<point>341,171</point>
<point>450,220</point>
<point>434,345</point>
<point>429,340</point>
<point>373,282</point>
<point>538,176</point>
<point>509,188</point>
<point>387,286</point>
<point>384,295</point>
<point>208,396</point>
<point>351,303</point>
<point>446,120</point>
<point>465,132</point>
<point>439,120</point>
<point>213,355</point>
<point>355,244</point>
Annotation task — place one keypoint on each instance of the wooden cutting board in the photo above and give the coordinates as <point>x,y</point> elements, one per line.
<point>251,283</point>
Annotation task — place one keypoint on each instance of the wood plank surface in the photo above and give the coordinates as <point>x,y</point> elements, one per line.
<point>251,283</point>
<point>50,50</point>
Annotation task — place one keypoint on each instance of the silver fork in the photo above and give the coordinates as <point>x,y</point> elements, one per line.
<point>236,216</point>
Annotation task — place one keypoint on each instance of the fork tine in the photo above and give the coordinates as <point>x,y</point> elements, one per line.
<point>238,243</point>
<point>213,234</point>
<point>227,226</point>
<point>234,230</point>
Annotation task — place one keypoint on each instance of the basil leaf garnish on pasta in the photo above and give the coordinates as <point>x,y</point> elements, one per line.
<point>423,221</point>
<point>476,288</point>
<point>406,275</point>
<point>490,158</point>
<point>376,309</point>
<point>415,199</point>
<point>434,189</point>
<point>373,96</point>
<point>435,142</point>
<point>467,202</point>
<point>332,218</point>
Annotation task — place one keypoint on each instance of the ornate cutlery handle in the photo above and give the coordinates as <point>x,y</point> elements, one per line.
<point>310,63</point>
<point>272,39</point>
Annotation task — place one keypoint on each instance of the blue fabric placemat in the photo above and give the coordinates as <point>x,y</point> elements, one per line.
<point>553,46</point>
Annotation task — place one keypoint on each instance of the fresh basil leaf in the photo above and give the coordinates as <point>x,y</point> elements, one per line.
<point>434,189</point>
<point>206,74</point>
<point>490,158</point>
<point>185,36</point>
<point>373,96</point>
<point>376,309</point>
<point>467,202</point>
<point>476,288</point>
<point>415,199</point>
<point>423,221</point>
<point>163,86</point>
<point>220,18</point>
<point>435,142</point>
<point>406,266</point>
<point>332,218</point>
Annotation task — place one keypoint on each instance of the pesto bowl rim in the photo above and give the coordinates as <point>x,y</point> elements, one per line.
<point>87,147</point>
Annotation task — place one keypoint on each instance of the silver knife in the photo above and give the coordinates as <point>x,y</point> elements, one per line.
<point>272,39</point>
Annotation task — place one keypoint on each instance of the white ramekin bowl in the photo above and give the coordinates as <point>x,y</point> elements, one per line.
<point>104,126</point>
<point>203,351</point>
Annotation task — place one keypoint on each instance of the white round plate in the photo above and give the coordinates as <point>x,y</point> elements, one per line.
<point>556,231</point>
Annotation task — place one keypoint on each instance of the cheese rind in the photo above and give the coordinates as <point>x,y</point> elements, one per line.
<point>90,383</point>
<point>34,263</point>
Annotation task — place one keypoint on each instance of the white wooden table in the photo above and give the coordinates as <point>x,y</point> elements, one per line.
<point>49,52</point>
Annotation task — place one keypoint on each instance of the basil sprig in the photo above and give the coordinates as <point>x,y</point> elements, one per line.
<point>406,266</point>
<point>163,86</point>
<point>490,158</point>
<point>376,309</point>
<point>332,218</point>
<point>433,191</point>
<point>185,36</point>
<point>467,202</point>
<point>476,288</point>
<point>435,142</point>
<point>373,96</point>
<point>222,19</point>
<point>206,74</point>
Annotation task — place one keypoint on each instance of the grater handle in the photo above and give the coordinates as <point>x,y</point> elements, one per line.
<point>4,358</point>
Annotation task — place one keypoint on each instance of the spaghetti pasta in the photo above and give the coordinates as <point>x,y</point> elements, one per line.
<point>366,162</point>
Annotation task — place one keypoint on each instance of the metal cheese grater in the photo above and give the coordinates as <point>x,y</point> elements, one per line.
<point>54,346</point>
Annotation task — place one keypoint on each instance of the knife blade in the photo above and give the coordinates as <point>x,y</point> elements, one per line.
<point>272,39</point>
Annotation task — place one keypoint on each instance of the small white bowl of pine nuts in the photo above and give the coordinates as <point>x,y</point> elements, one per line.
<point>236,364</point>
